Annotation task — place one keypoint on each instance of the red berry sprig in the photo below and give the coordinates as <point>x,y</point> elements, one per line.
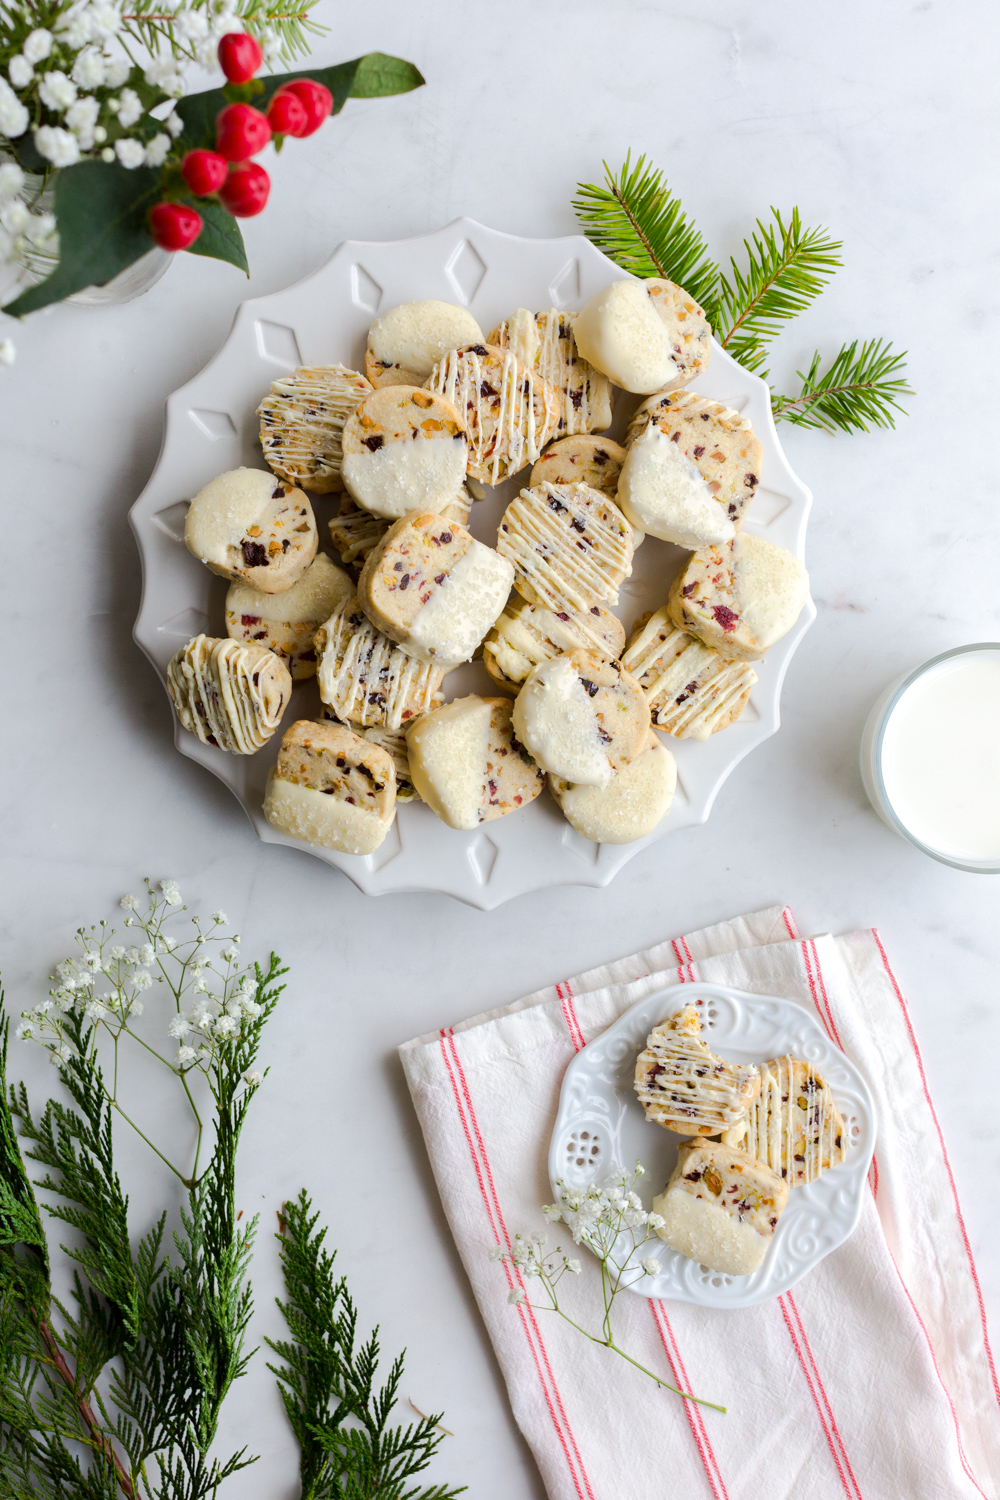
<point>204,172</point>
<point>174,226</point>
<point>240,132</point>
<point>315,98</point>
<point>245,191</point>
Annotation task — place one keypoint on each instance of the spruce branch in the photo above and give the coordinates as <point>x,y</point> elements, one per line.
<point>860,389</point>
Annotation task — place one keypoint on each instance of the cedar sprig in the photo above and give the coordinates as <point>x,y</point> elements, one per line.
<point>859,389</point>
<point>328,1382</point>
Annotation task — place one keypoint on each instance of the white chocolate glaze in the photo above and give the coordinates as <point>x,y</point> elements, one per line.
<point>569,544</point>
<point>447,753</point>
<point>224,510</point>
<point>302,420</point>
<point>419,473</point>
<point>307,814</point>
<point>662,492</point>
<point>503,442</point>
<point>690,688</point>
<point>793,1126</point>
<point>546,342</point>
<point>229,694</point>
<point>683,1086</point>
<point>461,609</point>
<point>620,333</point>
<point>555,721</point>
<point>365,678</point>
<point>416,335</point>
<point>631,806</point>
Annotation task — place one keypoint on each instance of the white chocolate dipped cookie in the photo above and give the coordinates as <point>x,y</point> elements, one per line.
<point>691,471</point>
<point>720,1207</point>
<point>684,1087</point>
<point>250,526</point>
<point>544,342</point>
<point>405,343</point>
<point>740,598</point>
<point>301,422</point>
<point>467,764</point>
<point>332,788</point>
<point>692,691</point>
<point>392,740</point>
<point>229,694</point>
<point>405,449</point>
<point>645,336</point>
<point>526,634</point>
<point>354,532</point>
<point>286,623</point>
<point>582,717</point>
<point>630,806</point>
<point>365,678</point>
<point>570,545</point>
<point>432,588</point>
<point>793,1126</point>
<point>509,411</point>
<point>584,459</point>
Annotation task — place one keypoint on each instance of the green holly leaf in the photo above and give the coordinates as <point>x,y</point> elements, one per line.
<point>101,209</point>
<point>221,237</point>
<point>379,74</point>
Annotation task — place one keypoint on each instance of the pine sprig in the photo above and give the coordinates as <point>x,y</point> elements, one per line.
<point>859,389</point>
<point>639,224</point>
<point>328,1383</point>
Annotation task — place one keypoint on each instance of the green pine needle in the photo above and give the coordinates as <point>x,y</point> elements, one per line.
<point>639,224</point>
<point>859,390</point>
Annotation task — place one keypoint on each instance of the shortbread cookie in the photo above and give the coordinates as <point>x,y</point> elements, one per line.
<point>354,532</point>
<point>509,411</point>
<point>595,461</point>
<point>331,787</point>
<point>631,806</point>
<point>248,525</point>
<point>431,587</point>
<point>392,740</point>
<point>692,691</point>
<point>740,598</point>
<point>793,1125</point>
<point>691,471</point>
<point>229,694</point>
<point>570,546</point>
<point>405,343</point>
<point>683,1086</point>
<point>720,1207</point>
<point>582,717</point>
<point>404,449</point>
<point>527,634</point>
<point>467,764</point>
<point>645,335</point>
<point>301,422</point>
<point>544,342</point>
<point>365,678</point>
<point>286,623</point>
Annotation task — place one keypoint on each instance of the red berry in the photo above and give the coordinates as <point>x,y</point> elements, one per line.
<point>204,172</point>
<point>245,190</point>
<point>174,226</point>
<point>239,56</point>
<point>287,114</point>
<point>240,132</point>
<point>317,99</point>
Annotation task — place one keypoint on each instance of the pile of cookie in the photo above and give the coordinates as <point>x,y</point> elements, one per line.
<point>441,410</point>
<point>751,1133</point>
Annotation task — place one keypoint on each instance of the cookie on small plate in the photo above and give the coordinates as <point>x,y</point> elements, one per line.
<point>526,634</point>
<point>467,764</point>
<point>405,343</point>
<point>692,691</point>
<point>229,694</point>
<point>301,421</point>
<point>509,411</point>
<point>793,1126</point>
<point>287,622</point>
<point>645,336</point>
<point>740,598</point>
<point>630,806</point>
<point>544,342</point>
<point>684,1087</point>
<point>250,526</point>
<point>582,717</point>
<point>365,678</point>
<point>332,788</point>
<point>720,1207</point>
<point>405,449</point>
<point>571,547</point>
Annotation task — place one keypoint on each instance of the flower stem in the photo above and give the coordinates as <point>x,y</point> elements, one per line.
<point>188,1183</point>
<point>101,1441</point>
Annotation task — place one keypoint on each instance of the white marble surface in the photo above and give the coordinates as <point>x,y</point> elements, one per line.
<point>878,121</point>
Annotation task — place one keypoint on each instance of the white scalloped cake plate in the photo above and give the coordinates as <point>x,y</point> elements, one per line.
<point>211,427</point>
<point>601,1124</point>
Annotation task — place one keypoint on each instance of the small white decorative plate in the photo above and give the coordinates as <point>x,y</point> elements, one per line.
<point>211,427</point>
<point>601,1125</point>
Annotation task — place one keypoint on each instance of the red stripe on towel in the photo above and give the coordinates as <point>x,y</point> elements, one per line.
<point>569,1013</point>
<point>693,1411</point>
<point>817,1390</point>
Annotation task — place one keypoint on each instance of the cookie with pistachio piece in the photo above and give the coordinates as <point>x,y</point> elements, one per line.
<point>793,1125</point>
<point>571,547</point>
<point>331,787</point>
<point>393,740</point>
<point>365,678</point>
<point>582,717</point>
<point>544,341</point>
<point>510,412</point>
<point>247,525</point>
<point>526,634</point>
<point>354,532</point>
<point>684,1087</point>
<point>287,622</point>
<point>740,598</point>
<point>645,335</point>
<point>720,1207</point>
<point>692,691</point>
<point>468,765</point>
<point>630,806</point>
<point>405,449</point>
<point>302,421</point>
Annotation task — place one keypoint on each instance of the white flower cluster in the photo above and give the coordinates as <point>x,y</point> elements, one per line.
<point>212,1020</point>
<point>102,982</point>
<point>22,227</point>
<point>595,1216</point>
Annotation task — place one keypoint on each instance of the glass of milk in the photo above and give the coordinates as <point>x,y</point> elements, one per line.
<point>930,757</point>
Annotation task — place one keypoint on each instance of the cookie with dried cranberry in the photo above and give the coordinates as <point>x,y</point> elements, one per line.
<point>645,335</point>
<point>692,691</point>
<point>392,740</point>
<point>720,1207</point>
<point>332,788</point>
<point>793,1126</point>
<point>571,547</point>
<point>544,342</point>
<point>405,449</point>
<point>302,420</point>
<point>354,532</point>
<point>582,717</point>
<point>584,459</point>
<point>467,764</point>
<point>509,411</point>
<point>740,598</point>
<point>365,678</point>
<point>432,588</point>
<point>526,634</point>
<point>405,343</point>
<point>247,525</point>
<point>630,806</point>
<point>287,622</point>
<point>230,694</point>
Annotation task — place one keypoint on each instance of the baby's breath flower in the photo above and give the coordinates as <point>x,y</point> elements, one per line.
<point>157,150</point>
<point>94,962</point>
<point>58,146</point>
<point>95,1011</point>
<point>146,954</point>
<point>116,71</point>
<point>174,124</point>
<point>25,1031</point>
<point>81,118</point>
<point>186,1055</point>
<point>89,69</point>
<point>220,918</point>
<point>105,20</point>
<point>38,45</point>
<point>131,153</point>
<point>655,1221</point>
<point>650,1265</point>
<point>516,1297</point>
<point>129,903</point>
<point>108,155</point>
<point>136,1008</point>
<point>230,954</point>
<point>226,1026</point>
<point>573,1266</point>
<point>171,892</point>
<point>14,117</point>
<point>496,1253</point>
<point>253,1078</point>
<point>129,107</point>
<point>142,980</point>
<point>11,181</point>
<point>19,71</point>
<point>56,91</point>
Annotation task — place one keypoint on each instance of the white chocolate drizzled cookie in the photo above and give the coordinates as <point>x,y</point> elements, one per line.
<point>248,525</point>
<point>793,1125</point>
<point>692,691</point>
<point>229,694</point>
<point>527,634</point>
<point>683,1086</point>
<point>645,335</point>
<point>582,717</point>
<point>720,1207</point>
<point>405,449</point>
<point>509,411</point>
<point>405,343</point>
<point>287,622</point>
<point>365,678</point>
<point>630,806</point>
<point>354,532</point>
<point>740,598</point>
<point>544,342</point>
<point>332,788</point>
<point>301,422</point>
<point>467,764</point>
<point>570,546</point>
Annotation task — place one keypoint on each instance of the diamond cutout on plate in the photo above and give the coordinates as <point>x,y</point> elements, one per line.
<point>214,424</point>
<point>680,791</point>
<point>482,856</point>
<point>736,404</point>
<point>365,290</point>
<point>584,849</point>
<point>750,713</point>
<point>188,623</point>
<point>465,269</point>
<point>172,520</point>
<point>767,506</point>
<point>565,287</point>
<point>278,344</point>
<point>390,847</point>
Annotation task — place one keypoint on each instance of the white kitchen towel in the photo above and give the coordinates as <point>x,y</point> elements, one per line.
<point>873,1379</point>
